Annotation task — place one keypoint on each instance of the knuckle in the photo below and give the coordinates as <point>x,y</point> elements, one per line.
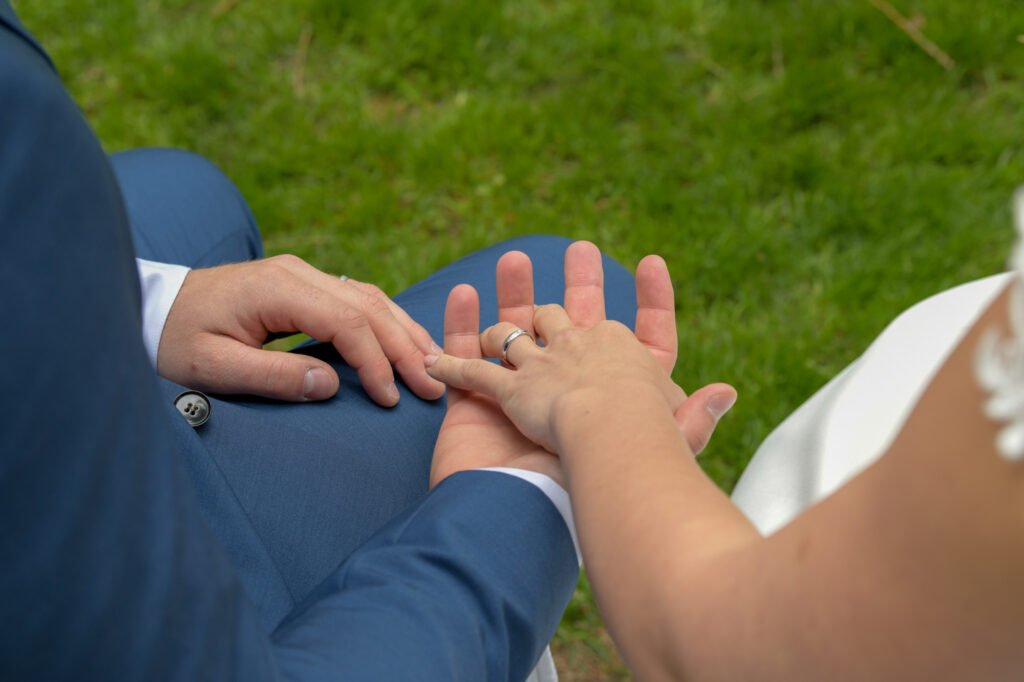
<point>272,269</point>
<point>547,309</point>
<point>572,336</point>
<point>352,317</point>
<point>613,327</point>
<point>408,356</point>
<point>376,365</point>
<point>471,371</point>
<point>287,260</point>
<point>375,306</point>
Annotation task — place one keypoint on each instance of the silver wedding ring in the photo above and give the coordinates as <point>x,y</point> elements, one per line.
<point>508,342</point>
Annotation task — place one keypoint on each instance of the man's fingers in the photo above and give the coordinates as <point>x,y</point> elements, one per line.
<point>656,312</point>
<point>550,319</point>
<point>402,341</point>
<point>399,348</point>
<point>514,279</point>
<point>462,323</point>
<point>461,330</point>
<point>584,284</point>
<point>699,414</point>
<point>419,334</point>
<point>233,367</point>
<point>357,342</point>
<point>520,349</point>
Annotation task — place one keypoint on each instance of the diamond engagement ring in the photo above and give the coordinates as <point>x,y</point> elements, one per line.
<point>508,342</point>
<point>343,278</point>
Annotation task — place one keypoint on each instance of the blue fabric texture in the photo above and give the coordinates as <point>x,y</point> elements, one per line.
<point>184,210</point>
<point>108,570</point>
<point>266,544</point>
<point>314,480</point>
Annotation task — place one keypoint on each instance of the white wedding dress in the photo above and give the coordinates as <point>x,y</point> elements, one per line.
<point>848,424</point>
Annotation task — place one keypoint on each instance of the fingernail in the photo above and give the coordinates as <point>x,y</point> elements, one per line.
<point>435,349</point>
<point>392,391</point>
<point>719,404</point>
<point>429,360</point>
<point>317,384</point>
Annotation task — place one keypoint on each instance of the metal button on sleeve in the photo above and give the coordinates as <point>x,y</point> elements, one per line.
<point>194,407</point>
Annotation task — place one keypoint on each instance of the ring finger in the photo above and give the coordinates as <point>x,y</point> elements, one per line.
<point>497,342</point>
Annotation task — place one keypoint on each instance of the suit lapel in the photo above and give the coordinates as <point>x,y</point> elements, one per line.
<point>10,20</point>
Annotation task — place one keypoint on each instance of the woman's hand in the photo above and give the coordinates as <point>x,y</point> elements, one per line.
<point>214,334</point>
<point>475,433</point>
<point>579,373</point>
<point>697,415</point>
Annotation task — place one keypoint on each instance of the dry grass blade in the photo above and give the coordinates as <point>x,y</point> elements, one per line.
<point>222,8</point>
<point>912,30</point>
<point>299,65</point>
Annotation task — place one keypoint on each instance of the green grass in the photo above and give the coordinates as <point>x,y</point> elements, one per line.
<point>806,170</point>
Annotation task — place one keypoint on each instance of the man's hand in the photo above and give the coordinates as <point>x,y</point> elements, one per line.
<point>475,432</point>
<point>214,334</point>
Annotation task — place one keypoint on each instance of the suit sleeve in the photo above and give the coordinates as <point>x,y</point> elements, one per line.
<point>469,585</point>
<point>109,570</point>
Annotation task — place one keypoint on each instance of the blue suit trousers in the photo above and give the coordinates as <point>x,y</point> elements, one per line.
<point>315,480</point>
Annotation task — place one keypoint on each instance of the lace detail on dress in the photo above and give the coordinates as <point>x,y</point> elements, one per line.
<point>999,360</point>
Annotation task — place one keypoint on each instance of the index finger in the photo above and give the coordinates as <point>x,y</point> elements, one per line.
<point>461,331</point>
<point>656,311</point>
<point>584,284</point>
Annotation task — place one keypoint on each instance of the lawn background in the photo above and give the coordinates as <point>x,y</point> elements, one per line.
<point>805,168</point>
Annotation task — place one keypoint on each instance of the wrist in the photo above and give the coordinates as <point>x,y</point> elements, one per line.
<point>538,462</point>
<point>579,417</point>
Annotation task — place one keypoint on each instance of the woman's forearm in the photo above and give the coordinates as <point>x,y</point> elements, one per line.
<point>648,517</point>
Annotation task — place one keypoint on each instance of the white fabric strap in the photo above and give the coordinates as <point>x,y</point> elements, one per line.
<point>554,492</point>
<point>160,284</point>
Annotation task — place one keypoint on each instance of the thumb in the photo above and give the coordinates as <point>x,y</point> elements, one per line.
<point>699,414</point>
<point>273,374</point>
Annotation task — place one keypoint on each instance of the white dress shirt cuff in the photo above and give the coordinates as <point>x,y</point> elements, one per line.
<point>554,492</point>
<point>160,284</point>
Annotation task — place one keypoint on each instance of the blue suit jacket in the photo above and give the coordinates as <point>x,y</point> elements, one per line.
<point>108,567</point>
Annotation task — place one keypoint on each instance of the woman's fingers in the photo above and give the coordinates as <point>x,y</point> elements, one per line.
<point>699,414</point>
<point>656,312</point>
<point>514,279</point>
<point>520,348</point>
<point>550,319</point>
<point>479,376</point>
<point>584,284</point>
